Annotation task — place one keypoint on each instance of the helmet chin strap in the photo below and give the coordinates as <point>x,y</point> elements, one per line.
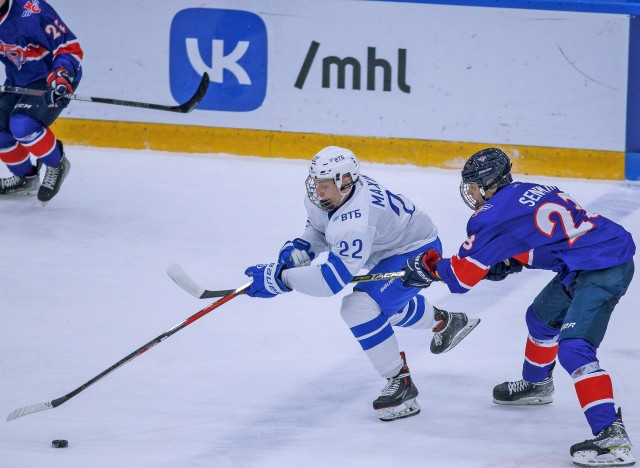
<point>484,194</point>
<point>343,196</point>
<point>348,187</point>
<point>483,191</point>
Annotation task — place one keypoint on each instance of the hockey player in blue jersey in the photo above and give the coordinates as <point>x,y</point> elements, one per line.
<point>361,224</point>
<point>539,226</point>
<point>39,52</point>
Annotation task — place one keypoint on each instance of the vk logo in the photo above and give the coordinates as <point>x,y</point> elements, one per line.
<point>231,46</point>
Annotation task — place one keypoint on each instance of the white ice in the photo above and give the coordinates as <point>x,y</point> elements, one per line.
<point>257,383</point>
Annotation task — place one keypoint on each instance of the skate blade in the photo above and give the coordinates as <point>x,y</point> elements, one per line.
<point>19,195</point>
<point>411,408</point>
<point>526,401</point>
<point>616,457</point>
<point>468,328</point>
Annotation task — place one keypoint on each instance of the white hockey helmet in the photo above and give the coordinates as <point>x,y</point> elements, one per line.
<point>332,163</point>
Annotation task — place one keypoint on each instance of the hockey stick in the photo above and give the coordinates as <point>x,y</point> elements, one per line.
<point>180,277</point>
<point>187,106</point>
<point>58,401</point>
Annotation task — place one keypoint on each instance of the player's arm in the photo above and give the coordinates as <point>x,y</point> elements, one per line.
<point>477,257</point>
<point>67,55</point>
<point>60,40</point>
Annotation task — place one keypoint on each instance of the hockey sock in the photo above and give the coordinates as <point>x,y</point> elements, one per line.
<point>592,383</point>
<point>541,348</point>
<point>373,331</point>
<point>38,140</point>
<point>17,160</point>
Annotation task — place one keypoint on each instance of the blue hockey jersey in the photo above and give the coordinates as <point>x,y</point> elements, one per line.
<point>543,228</point>
<point>34,41</point>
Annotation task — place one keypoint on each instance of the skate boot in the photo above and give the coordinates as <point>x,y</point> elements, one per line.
<point>523,392</point>
<point>53,178</point>
<point>452,327</point>
<point>14,186</point>
<point>611,447</point>
<point>399,390</point>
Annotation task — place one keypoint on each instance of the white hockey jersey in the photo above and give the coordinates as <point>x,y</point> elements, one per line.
<point>373,224</point>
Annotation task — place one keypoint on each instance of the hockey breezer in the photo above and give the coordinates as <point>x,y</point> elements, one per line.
<point>58,401</point>
<point>183,108</point>
<point>180,277</point>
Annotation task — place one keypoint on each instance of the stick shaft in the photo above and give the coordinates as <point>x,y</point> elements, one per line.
<point>185,107</point>
<point>142,349</point>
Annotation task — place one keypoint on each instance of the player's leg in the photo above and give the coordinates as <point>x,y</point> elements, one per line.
<point>544,318</point>
<point>30,125</point>
<point>376,337</point>
<point>406,308</point>
<point>595,295</point>
<point>24,181</point>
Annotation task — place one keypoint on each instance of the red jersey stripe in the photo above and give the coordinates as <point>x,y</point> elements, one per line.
<point>71,48</point>
<point>468,272</point>
<point>526,258</point>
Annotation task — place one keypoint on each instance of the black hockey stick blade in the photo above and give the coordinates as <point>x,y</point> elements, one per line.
<point>183,108</point>
<point>25,410</point>
<point>180,277</point>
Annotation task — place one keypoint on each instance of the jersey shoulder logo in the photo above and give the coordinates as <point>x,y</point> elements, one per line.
<point>31,7</point>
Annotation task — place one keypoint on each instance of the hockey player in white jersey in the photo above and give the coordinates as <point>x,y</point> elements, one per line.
<point>361,224</point>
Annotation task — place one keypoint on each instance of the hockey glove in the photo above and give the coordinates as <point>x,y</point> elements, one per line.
<point>266,280</point>
<point>420,272</point>
<point>296,253</point>
<point>59,83</point>
<point>501,270</point>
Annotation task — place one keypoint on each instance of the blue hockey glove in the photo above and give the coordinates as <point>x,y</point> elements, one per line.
<point>420,272</point>
<point>59,84</point>
<point>501,270</point>
<point>266,280</point>
<point>296,253</point>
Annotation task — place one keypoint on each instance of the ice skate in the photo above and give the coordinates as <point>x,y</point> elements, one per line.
<point>398,398</point>
<point>53,178</point>
<point>452,327</point>
<point>522,392</point>
<point>14,186</point>
<point>611,447</point>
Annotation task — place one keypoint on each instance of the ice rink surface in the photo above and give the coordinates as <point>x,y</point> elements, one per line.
<point>258,383</point>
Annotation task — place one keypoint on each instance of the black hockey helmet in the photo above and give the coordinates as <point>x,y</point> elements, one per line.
<point>489,168</point>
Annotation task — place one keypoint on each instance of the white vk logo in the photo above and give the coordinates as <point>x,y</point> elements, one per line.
<point>219,61</point>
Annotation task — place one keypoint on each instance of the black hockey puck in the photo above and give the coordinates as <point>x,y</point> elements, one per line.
<point>60,443</point>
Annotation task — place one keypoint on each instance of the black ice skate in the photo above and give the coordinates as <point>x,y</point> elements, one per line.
<point>611,447</point>
<point>399,391</point>
<point>522,392</point>
<point>53,178</point>
<point>14,186</point>
<point>452,327</point>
